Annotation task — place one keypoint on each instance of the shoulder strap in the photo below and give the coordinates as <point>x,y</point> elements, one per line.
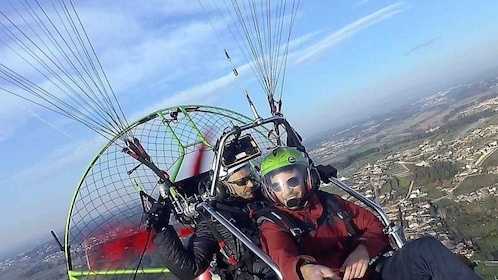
<point>240,268</point>
<point>221,243</point>
<point>334,210</point>
<point>283,220</point>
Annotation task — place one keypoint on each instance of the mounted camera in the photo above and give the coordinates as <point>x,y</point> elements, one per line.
<point>239,150</point>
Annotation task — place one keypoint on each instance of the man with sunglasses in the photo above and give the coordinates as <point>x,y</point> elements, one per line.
<point>326,247</point>
<point>238,187</point>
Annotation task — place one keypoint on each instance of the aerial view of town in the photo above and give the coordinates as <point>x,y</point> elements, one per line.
<point>434,170</point>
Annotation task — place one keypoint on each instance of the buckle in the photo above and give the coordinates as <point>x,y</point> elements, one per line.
<point>297,232</point>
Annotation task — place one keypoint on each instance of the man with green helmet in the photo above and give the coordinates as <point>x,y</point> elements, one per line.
<point>315,235</point>
<point>290,161</point>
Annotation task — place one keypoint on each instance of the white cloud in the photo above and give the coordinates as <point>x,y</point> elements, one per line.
<point>208,92</point>
<point>9,126</point>
<point>195,95</point>
<point>168,57</point>
<point>350,30</point>
<point>151,9</point>
<point>302,40</point>
<point>360,3</point>
<point>12,115</point>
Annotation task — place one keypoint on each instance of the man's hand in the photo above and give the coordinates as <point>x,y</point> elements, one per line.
<point>326,172</point>
<point>158,215</point>
<point>317,272</point>
<point>356,263</point>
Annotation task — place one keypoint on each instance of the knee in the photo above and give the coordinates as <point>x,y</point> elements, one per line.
<point>428,245</point>
<point>421,249</point>
<point>428,241</point>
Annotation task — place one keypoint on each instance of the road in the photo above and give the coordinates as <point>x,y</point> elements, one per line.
<point>410,188</point>
<point>483,158</point>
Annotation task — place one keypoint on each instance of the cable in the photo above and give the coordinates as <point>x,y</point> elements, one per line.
<point>143,254</point>
<point>261,25</point>
<point>70,79</point>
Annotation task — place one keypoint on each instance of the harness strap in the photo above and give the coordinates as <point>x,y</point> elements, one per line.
<point>223,248</point>
<point>243,261</point>
<point>334,209</point>
<point>294,227</point>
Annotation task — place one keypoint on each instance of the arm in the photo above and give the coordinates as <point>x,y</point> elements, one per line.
<point>282,250</point>
<point>370,228</point>
<point>187,263</point>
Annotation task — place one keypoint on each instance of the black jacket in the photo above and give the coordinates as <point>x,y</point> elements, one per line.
<point>190,262</point>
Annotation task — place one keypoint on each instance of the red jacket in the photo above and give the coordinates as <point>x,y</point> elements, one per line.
<point>326,244</point>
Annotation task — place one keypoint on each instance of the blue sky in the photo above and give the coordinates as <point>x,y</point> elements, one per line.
<point>345,55</point>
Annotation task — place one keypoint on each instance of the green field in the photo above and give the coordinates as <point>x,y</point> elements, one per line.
<point>408,145</point>
<point>399,186</point>
<point>371,159</point>
<point>473,183</point>
<point>446,136</point>
<point>469,220</point>
<point>431,190</point>
<point>482,142</point>
<point>487,246</point>
<point>395,170</point>
<point>335,190</point>
<point>393,138</point>
<point>466,221</point>
<point>423,118</point>
<point>356,150</point>
<point>444,203</point>
<point>492,160</point>
<point>490,203</point>
<point>404,182</point>
<point>491,120</point>
<point>385,188</point>
<point>486,272</point>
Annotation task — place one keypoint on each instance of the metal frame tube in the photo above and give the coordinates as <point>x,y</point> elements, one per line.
<point>242,237</point>
<point>259,122</point>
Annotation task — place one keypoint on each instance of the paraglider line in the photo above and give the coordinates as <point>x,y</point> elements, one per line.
<point>143,253</point>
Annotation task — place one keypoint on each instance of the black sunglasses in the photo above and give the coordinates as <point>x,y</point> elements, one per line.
<point>291,182</point>
<point>243,181</point>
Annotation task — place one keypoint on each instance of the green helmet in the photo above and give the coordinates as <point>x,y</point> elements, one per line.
<point>282,157</point>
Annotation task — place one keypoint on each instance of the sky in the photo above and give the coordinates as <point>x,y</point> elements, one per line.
<point>346,59</point>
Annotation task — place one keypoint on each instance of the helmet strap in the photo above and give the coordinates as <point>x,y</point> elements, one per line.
<point>229,188</point>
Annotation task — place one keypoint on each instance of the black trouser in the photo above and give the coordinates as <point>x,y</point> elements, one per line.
<point>426,258</point>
